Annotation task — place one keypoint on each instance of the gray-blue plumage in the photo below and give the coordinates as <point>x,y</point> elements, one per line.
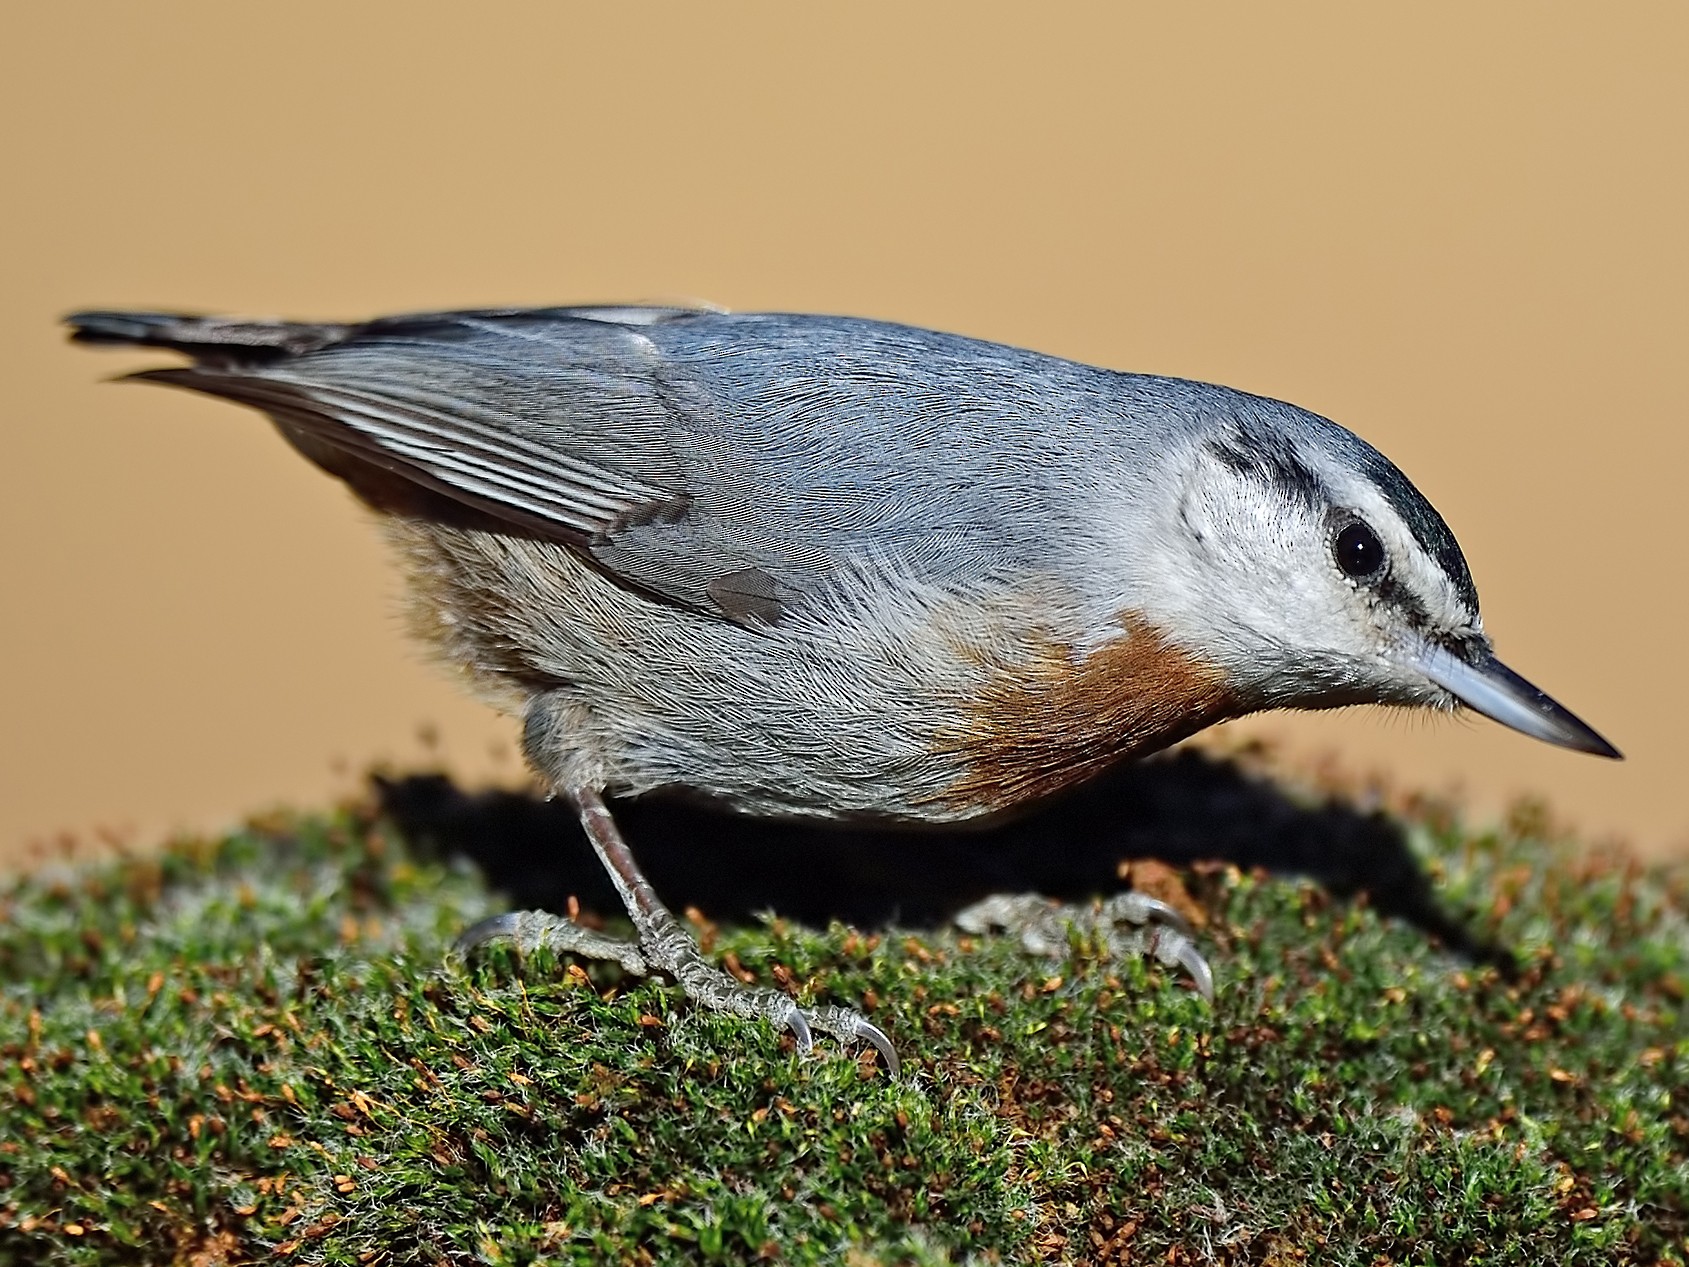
<point>736,463</point>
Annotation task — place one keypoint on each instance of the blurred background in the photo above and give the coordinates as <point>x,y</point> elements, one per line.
<point>1456,229</point>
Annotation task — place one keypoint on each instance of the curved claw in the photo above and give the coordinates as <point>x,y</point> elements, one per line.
<point>1202,976</point>
<point>494,928</point>
<point>800,1030</point>
<point>875,1035</point>
<point>1154,909</point>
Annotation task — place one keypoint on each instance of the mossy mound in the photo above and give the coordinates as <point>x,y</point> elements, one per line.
<point>262,1047</point>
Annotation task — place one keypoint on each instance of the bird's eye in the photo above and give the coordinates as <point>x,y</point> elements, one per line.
<point>1358,551</point>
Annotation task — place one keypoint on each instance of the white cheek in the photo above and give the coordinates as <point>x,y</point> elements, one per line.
<point>1248,583</point>
<point>1255,569</point>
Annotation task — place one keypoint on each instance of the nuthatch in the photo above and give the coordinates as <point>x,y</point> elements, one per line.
<point>837,569</point>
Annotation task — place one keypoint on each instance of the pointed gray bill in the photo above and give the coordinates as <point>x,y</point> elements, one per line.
<point>1496,691</point>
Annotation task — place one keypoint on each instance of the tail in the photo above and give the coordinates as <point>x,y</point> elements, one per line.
<point>213,341</point>
<point>230,357</point>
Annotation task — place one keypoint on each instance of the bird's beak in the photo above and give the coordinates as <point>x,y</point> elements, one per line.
<point>1488,686</point>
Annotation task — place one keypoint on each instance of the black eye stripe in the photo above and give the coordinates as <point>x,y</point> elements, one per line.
<point>1358,551</point>
<point>1422,521</point>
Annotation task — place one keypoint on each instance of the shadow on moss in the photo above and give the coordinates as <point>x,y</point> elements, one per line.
<point>1186,807</point>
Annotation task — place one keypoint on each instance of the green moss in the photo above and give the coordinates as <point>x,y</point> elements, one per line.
<point>262,1046</point>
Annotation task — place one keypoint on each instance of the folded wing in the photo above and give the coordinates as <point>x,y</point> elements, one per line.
<point>731,465</point>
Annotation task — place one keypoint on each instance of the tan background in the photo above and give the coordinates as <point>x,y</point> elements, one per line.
<point>1458,229</point>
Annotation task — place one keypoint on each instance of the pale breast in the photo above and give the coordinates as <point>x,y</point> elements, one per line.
<point>905,704</point>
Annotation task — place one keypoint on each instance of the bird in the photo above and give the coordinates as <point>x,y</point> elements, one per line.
<point>831,568</point>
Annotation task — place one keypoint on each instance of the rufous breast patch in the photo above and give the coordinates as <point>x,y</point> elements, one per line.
<point>1055,717</point>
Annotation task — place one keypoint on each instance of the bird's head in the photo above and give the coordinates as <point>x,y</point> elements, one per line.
<point>1304,564</point>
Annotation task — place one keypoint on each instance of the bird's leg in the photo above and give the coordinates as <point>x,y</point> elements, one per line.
<point>662,944</point>
<point>1125,924</point>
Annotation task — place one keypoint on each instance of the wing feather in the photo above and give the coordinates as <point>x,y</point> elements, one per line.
<point>439,443</point>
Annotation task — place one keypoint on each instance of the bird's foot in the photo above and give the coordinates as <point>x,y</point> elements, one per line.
<point>671,950</point>
<point>529,931</point>
<point>1125,924</point>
